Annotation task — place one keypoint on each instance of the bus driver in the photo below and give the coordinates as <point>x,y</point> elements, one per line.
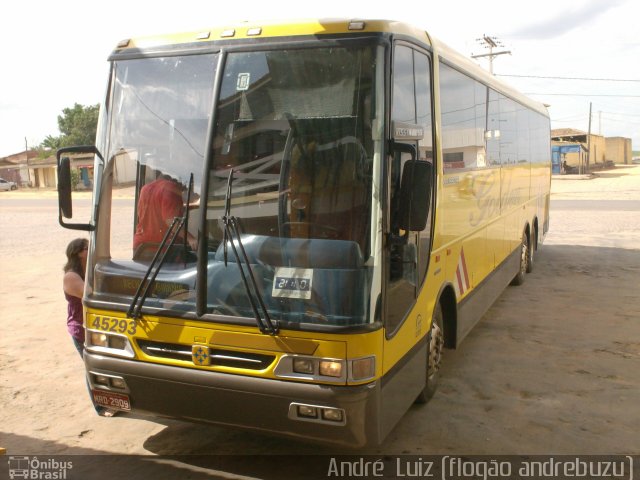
<point>159,203</point>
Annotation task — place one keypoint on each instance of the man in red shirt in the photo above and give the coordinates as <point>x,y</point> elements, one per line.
<point>159,203</point>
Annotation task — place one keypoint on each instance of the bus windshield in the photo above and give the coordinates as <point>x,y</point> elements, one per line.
<point>299,131</point>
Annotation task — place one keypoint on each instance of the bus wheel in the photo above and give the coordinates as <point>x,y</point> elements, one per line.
<point>435,345</point>
<point>532,249</point>
<point>524,261</point>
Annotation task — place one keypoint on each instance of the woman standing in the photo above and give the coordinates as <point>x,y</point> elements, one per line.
<point>73,286</point>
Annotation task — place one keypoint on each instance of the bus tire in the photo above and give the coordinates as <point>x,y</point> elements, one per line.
<point>524,261</point>
<point>532,249</point>
<point>435,345</point>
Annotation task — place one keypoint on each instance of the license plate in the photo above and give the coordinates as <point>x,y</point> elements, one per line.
<point>111,400</point>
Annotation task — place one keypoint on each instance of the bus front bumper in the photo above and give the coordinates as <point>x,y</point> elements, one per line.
<point>247,402</point>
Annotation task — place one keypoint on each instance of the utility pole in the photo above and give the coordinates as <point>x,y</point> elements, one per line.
<point>26,152</point>
<point>490,42</point>
<point>589,140</point>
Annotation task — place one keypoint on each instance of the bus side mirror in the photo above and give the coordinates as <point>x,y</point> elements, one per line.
<point>415,195</point>
<point>64,187</point>
<point>65,203</point>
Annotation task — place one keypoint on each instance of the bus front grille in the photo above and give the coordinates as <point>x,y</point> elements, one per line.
<point>219,357</point>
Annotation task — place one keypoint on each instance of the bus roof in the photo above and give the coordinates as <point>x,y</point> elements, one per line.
<point>329,26</point>
<point>254,30</point>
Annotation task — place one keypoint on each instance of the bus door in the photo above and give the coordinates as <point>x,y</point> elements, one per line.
<point>407,251</point>
<point>407,247</point>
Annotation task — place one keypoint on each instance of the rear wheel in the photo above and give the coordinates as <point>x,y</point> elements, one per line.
<point>435,345</point>
<point>524,261</point>
<point>532,249</point>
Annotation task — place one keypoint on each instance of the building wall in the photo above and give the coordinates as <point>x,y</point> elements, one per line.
<point>619,149</point>
<point>598,150</point>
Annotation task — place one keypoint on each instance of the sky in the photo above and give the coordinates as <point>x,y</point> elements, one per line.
<point>567,55</point>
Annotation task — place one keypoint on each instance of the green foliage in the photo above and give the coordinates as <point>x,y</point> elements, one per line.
<point>51,142</point>
<point>75,178</point>
<point>77,126</point>
<point>44,152</point>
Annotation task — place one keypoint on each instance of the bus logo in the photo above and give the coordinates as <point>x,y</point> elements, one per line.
<point>27,467</point>
<point>200,354</point>
<point>18,467</point>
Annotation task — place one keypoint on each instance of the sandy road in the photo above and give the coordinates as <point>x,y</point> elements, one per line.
<point>553,367</point>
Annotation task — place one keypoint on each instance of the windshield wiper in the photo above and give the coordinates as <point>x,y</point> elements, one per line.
<point>231,230</point>
<point>160,256</point>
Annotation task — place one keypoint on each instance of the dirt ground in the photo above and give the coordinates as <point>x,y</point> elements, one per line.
<point>552,368</point>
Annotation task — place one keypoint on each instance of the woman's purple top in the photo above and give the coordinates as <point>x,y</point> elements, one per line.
<point>74,317</point>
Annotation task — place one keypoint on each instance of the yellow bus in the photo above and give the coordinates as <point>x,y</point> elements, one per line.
<point>352,197</point>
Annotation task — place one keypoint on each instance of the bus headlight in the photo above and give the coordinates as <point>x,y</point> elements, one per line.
<point>307,411</point>
<point>303,365</point>
<point>331,368</point>
<point>317,413</point>
<point>101,380</point>
<point>117,342</point>
<point>333,414</point>
<point>109,343</point>
<point>99,339</point>
<point>312,368</point>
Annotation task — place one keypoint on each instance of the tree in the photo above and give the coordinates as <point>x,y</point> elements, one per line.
<point>50,142</point>
<point>77,126</point>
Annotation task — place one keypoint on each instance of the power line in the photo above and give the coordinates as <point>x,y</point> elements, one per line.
<point>571,78</point>
<point>626,122</point>
<point>490,42</point>
<point>582,94</point>
<point>569,120</point>
<point>623,114</point>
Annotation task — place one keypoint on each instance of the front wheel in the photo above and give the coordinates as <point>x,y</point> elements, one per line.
<point>435,345</point>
